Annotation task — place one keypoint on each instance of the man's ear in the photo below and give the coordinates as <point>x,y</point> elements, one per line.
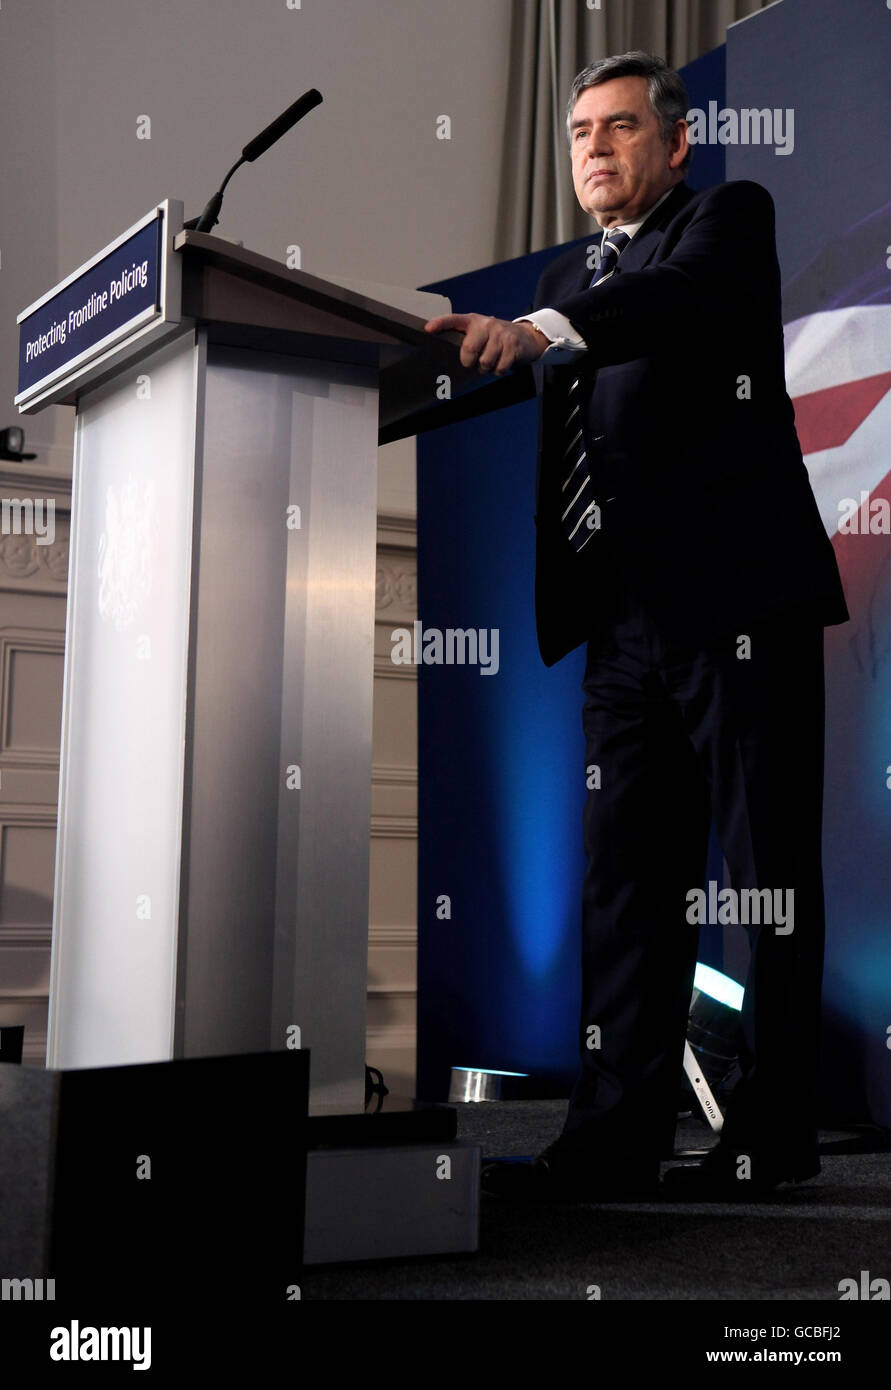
<point>678,145</point>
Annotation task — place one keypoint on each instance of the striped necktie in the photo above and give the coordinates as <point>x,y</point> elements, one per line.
<point>581,508</point>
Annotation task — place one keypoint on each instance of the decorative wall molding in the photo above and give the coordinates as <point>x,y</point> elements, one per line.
<point>387,670</point>
<point>397,531</point>
<point>34,1048</point>
<point>390,1038</point>
<point>53,459</point>
<point>31,477</point>
<point>24,815</point>
<point>25,936</point>
<point>402,936</point>
<point>395,774</point>
<point>396,589</point>
<point>386,827</point>
<point>12,640</point>
<point>29,567</point>
<point>25,566</point>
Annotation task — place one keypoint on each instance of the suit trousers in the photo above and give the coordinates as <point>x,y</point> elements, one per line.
<point>678,733</point>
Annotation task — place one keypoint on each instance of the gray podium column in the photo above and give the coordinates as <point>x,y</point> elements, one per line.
<point>123,719</point>
<point>212,872</point>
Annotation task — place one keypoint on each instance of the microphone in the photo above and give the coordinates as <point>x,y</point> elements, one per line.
<point>259,145</point>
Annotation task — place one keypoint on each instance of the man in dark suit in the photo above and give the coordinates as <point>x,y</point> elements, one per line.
<point>678,536</point>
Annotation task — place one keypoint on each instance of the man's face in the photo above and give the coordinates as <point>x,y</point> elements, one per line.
<point>620,166</point>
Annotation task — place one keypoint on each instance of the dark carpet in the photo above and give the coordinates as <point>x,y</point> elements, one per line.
<point>796,1246</point>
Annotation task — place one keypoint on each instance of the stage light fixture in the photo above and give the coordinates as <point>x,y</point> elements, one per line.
<point>12,444</point>
<point>480,1083</point>
<point>712,1045</point>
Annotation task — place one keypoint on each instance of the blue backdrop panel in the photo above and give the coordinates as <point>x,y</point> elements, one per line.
<point>501,757</point>
<point>705,80</point>
<point>828,63</point>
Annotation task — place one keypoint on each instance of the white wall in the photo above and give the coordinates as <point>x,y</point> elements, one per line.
<point>363,186</point>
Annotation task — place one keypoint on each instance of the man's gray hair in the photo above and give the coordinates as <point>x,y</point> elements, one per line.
<point>668,95</point>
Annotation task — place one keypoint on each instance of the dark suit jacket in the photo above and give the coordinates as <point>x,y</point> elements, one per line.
<point>714,517</point>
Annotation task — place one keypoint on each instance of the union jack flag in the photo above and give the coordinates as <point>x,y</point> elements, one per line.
<point>837,316</point>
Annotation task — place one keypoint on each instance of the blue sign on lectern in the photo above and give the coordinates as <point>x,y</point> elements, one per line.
<point>116,293</point>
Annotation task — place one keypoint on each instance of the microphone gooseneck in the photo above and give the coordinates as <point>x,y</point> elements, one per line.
<point>259,145</point>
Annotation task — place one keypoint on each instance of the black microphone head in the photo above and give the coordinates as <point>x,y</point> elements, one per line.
<point>281,124</point>
<point>295,112</point>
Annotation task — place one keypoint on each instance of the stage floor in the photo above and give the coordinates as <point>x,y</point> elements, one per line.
<point>797,1246</point>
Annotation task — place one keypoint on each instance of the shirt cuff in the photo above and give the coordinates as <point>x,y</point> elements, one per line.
<point>566,343</point>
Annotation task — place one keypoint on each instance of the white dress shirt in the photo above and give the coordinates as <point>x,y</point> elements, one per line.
<point>565,341</point>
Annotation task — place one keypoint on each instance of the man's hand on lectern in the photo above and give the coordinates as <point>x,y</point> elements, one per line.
<point>492,345</point>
